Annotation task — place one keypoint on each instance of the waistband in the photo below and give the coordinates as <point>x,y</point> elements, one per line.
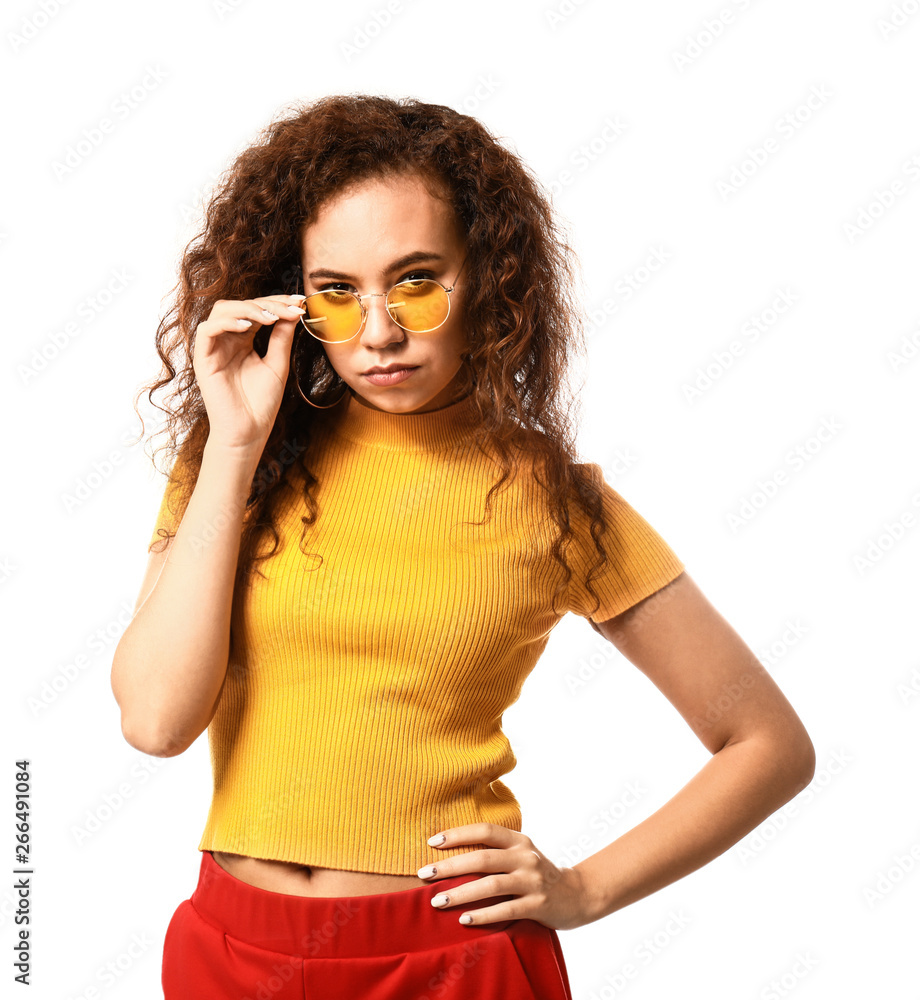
<point>336,926</point>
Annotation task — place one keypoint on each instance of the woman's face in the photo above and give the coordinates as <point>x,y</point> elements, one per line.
<point>359,242</point>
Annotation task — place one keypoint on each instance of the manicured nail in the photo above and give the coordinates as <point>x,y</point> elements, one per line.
<point>442,899</point>
<point>466,919</point>
<point>427,871</point>
<point>437,840</point>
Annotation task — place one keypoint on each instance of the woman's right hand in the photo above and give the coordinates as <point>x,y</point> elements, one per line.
<point>241,391</point>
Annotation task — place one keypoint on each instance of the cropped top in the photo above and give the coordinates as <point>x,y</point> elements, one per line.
<point>362,707</point>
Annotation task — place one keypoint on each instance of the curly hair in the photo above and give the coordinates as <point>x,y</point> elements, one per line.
<point>523,322</point>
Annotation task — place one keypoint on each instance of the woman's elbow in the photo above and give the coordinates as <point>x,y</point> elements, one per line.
<point>154,744</point>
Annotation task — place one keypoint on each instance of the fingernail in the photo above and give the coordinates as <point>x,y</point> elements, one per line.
<point>268,315</point>
<point>437,840</point>
<point>427,871</point>
<point>466,919</point>
<point>442,899</point>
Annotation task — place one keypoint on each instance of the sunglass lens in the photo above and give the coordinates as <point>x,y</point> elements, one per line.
<point>332,316</point>
<point>418,306</point>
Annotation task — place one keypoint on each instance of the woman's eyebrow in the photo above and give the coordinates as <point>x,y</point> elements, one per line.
<point>416,257</point>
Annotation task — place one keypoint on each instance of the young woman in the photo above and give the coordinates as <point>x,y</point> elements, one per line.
<point>374,520</point>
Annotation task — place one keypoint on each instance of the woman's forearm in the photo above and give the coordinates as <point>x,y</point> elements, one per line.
<point>171,661</point>
<point>736,790</point>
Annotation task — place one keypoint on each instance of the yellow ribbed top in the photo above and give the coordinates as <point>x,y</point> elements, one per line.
<point>363,702</point>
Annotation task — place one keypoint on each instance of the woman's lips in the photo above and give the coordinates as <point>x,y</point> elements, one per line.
<point>390,378</point>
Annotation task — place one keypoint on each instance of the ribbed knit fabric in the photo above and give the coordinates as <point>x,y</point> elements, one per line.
<point>363,702</point>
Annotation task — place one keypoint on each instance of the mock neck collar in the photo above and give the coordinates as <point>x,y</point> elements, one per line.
<point>435,430</point>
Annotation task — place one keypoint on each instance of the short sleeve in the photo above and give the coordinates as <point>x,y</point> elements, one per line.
<point>639,561</point>
<point>168,514</point>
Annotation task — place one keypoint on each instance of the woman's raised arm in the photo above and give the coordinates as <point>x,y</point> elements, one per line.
<point>170,663</point>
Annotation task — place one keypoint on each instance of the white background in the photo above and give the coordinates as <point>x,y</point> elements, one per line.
<point>813,578</point>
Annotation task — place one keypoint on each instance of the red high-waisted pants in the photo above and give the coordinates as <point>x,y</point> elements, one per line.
<point>234,940</point>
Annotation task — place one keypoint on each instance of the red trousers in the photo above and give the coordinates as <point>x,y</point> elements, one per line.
<point>234,940</point>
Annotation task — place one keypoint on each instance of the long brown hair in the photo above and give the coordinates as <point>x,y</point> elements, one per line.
<point>523,322</point>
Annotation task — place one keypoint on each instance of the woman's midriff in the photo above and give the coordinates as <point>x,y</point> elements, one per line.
<point>309,880</point>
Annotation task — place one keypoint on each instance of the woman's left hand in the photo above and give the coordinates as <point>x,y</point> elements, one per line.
<point>555,897</point>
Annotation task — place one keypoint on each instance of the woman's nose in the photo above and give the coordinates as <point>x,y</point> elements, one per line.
<point>380,328</point>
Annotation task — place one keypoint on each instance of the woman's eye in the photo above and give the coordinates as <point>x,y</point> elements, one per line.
<point>416,276</point>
